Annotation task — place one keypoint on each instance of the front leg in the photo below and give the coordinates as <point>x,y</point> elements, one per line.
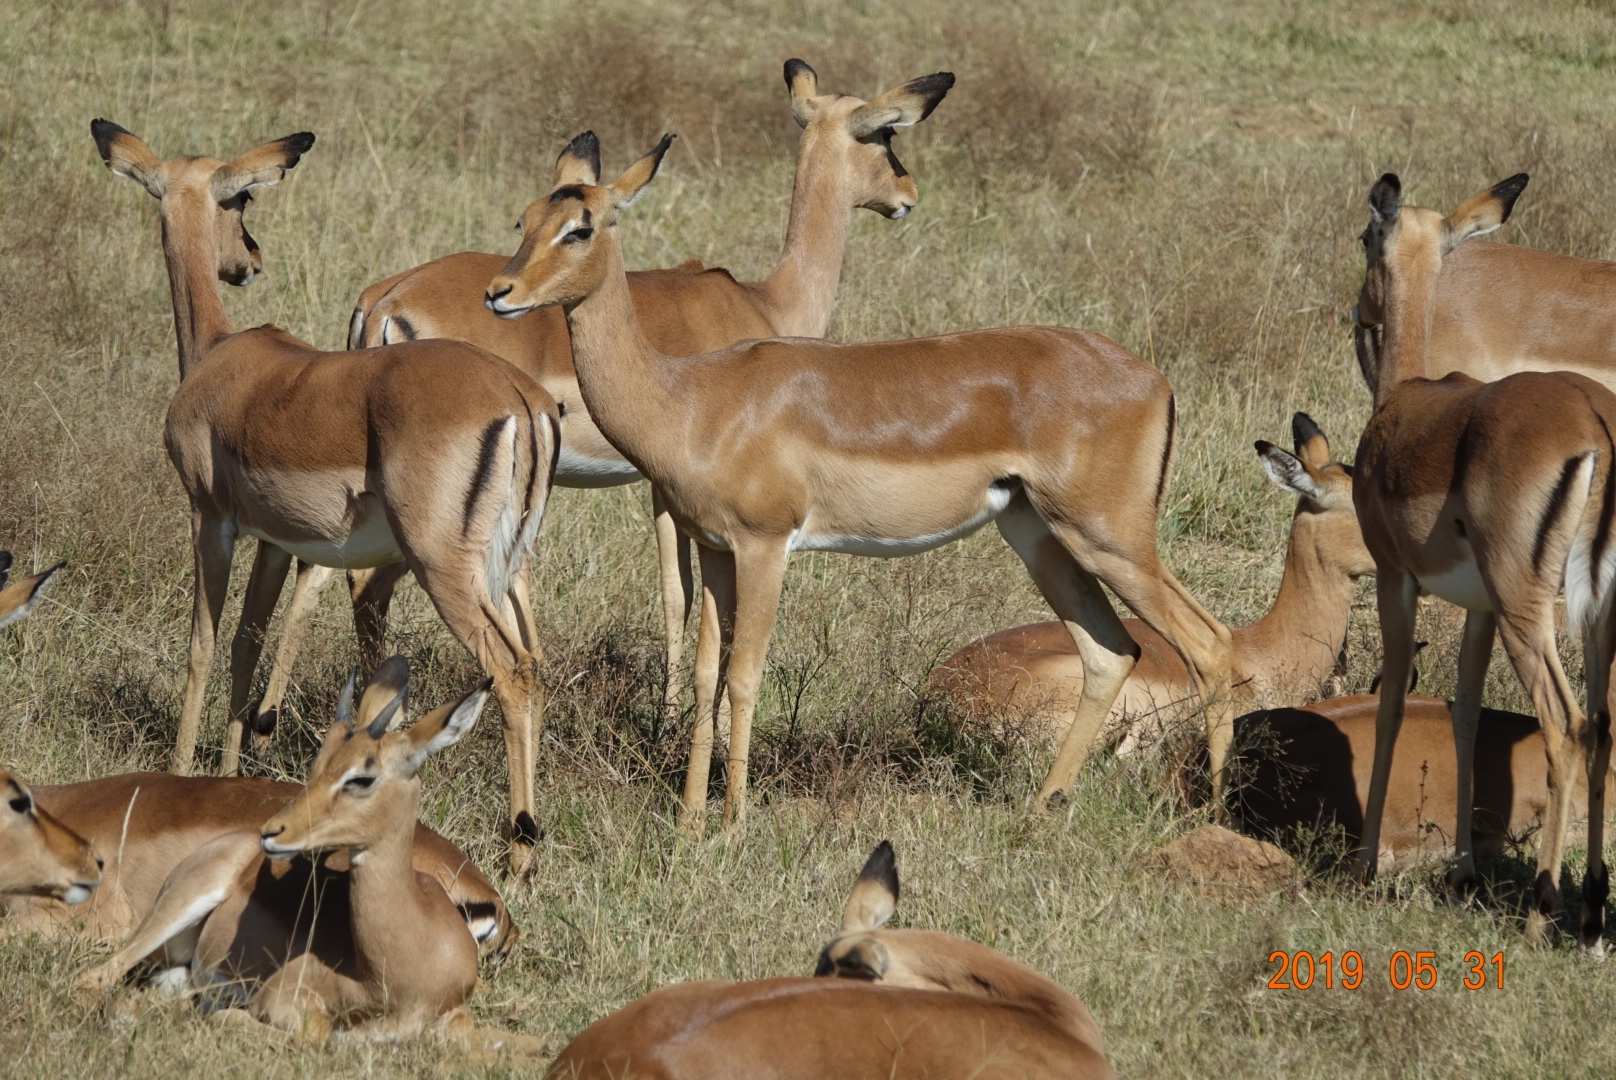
<point>759,573</point>
<point>213,542</point>
<point>306,590</point>
<point>1475,652</point>
<point>263,590</point>
<point>1397,595</point>
<point>713,638</point>
<point>677,589</point>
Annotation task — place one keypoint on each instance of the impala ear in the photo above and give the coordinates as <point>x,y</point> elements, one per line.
<point>20,597</point>
<point>908,104</point>
<point>1482,213</point>
<point>579,163</point>
<point>875,894</point>
<point>803,83</point>
<point>1386,199</point>
<point>1288,471</point>
<point>262,167</point>
<point>126,155</point>
<point>626,188</point>
<point>443,727</point>
<point>1308,438</point>
<point>388,691</point>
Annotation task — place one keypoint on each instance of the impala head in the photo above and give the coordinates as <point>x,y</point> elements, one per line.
<point>567,234</point>
<point>856,135</point>
<point>18,598</point>
<point>39,856</point>
<point>364,782</point>
<point>202,196</point>
<point>1404,247</point>
<point>1325,519</point>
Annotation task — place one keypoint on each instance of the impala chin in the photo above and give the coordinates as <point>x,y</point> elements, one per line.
<point>76,895</point>
<point>900,212</point>
<point>276,851</point>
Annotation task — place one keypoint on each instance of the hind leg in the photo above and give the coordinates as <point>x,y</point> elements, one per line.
<point>1108,653</point>
<point>310,583</point>
<point>371,592</point>
<point>714,638</point>
<point>213,544</point>
<point>678,587</point>
<point>263,590</point>
<point>1598,647</point>
<point>1475,652</point>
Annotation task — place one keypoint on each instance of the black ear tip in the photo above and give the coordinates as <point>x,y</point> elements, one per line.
<point>1510,190</point>
<point>1263,446</point>
<point>1390,180</point>
<point>795,67</point>
<point>1304,429</point>
<point>882,866</point>
<point>299,143</point>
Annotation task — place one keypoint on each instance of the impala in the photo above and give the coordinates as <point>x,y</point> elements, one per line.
<point>1035,671</point>
<point>39,856</point>
<point>1061,436</point>
<point>381,943</point>
<point>433,453</point>
<point>1491,496</point>
<point>845,162</point>
<point>899,1003</point>
<point>1309,769</point>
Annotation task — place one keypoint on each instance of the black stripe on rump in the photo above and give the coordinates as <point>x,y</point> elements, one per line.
<point>485,468</point>
<point>1556,507</point>
<point>1167,449</point>
<point>406,327</point>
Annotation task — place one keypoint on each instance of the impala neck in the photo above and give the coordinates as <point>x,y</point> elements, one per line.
<point>624,381</point>
<point>802,290</point>
<point>384,899</point>
<point>200,321</point>
<point>1302,634</point>
<point>1406,334</point>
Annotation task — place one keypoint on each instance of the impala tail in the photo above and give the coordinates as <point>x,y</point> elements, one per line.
<point>1590,568</point>
<point>531,449</point>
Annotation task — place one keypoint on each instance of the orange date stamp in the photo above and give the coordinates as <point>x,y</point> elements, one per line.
<point>1302,970</point>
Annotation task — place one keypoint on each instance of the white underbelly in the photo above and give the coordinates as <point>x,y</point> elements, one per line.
<point>1460,584</point>
<point>371,543</point>
<point>994,501</point>
<point>577,470</point>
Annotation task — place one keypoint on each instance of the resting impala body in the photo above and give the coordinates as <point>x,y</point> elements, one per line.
<point>1502,308</point>
<point>1310,768</point>
<point>684,311</point>
<point>1059,435</point>
<point>381,944</point>
<point>913,1004</point>
<point>1491,496</point>
<point>39,856</point>
<point>1036,671</point>
<point>433,453</point>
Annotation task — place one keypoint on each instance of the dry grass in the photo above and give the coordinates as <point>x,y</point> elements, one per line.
<point>1186,179</point>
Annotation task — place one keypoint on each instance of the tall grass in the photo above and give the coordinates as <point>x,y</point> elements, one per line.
<point>1187,179</point>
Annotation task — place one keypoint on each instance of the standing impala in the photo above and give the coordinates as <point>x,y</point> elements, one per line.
<point>381,944</point>
<point>769,447</point>
<point>1491,496</point>
<point>1290,651</point>
<point>433,453</point>
<point>845,162</point>
<point>902,1004</point>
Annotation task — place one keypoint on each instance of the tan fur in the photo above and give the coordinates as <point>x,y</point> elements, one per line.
<point>897,1003</point>
<point>880,449</point>
<point>1495,493</point>
<point>1309,768</point>
<point>433,453</point>
<point>685,311</point>
<point>1036,671</point>
<point>381,947</point>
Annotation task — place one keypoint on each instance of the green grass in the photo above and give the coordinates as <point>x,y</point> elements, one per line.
<point>1188,179</point>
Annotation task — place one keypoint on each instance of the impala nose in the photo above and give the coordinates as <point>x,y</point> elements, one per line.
<point>491,298</point>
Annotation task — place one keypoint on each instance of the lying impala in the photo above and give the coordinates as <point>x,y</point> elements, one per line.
<point>769,447</point>
<point>382,942</point>
<point>1310,768</point>
<point>1489,495</point>
<point>906,1004</point>
<point>1035,670</point>
<point>845,162</point>
<point>39,856</point>
<point>433,453</point>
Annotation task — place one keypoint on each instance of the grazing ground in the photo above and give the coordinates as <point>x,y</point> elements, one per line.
<point>1186,178</point>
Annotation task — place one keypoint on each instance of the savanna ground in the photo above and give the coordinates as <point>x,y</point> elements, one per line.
<point>1186,178</point>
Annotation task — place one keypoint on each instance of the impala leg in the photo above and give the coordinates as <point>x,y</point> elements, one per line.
<point>263,590</point>
<point>1598,647</point>
<point>1397,597</point>
<point>1475,652</point>
<point>759,574</point>
<point>1528,637</point>
<point>520,612</point>
<point>713,639</point>
<point>371,592</point>
<point>213,542</point>
<point>1108,653</point>
<point>678,587</point>
<point>309,583</point>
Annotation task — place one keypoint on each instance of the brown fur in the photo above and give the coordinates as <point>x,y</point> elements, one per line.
<point>381,946</point>
<point>896,446</point>
<point>899,1003</point>
<point>413,453</point>
<point>1036,670</point>
<point>1494,493</point>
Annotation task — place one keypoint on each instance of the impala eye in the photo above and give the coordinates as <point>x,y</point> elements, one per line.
<point>359,783</point>
<point>21,804</point>
<point>578,236</point>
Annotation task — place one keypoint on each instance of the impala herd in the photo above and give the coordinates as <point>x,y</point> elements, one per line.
<point>473,384</point>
